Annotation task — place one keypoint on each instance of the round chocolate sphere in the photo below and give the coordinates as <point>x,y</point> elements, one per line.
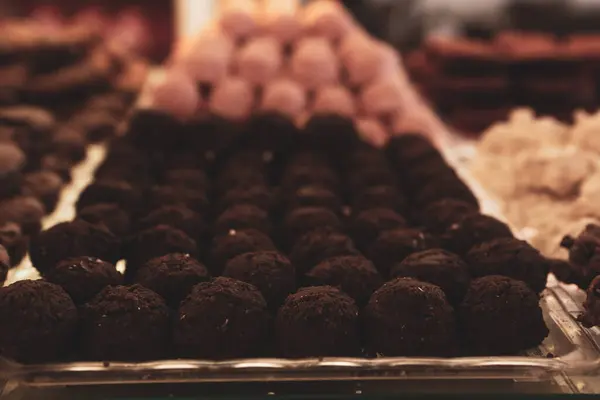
<point>270,271</point>
<point>369,224</point>
<point>108,215</point>
<point>193,179</point>
<point>393,246</point>
<point>437,266</point>
<point>14,241</point>
<point>318,245</point>
<point>38,321</point>
<point>500,316</point>
<point>73,239</point>
<point>239,178</point>
<point>104,191</point>
<point>318,322</point>
<point>365,177</point>
<point>243,216</point>
<point>161,196</point>
<point>178,217</point>
<point>312,196</point>
<point>353,275</point>
<point>26,211</point>
<point>84,277</point>
<point>295,177</point>
<point>125,323</point>
<point>44,186</point>
<point>4,264</point>
<point>410,318</point>
<point>172,276</point>
<point>439,216</point>
<point>258,195</point>
<point>380,197</point>
<point>305,219</point>
<point>332,133</point>
<point>222,319</point>
<point>234,243</point>
<point>472,230</point>
<point>446,187</point>
<point>510,257</point>
<point>591,305</point>
<point>584,265</point>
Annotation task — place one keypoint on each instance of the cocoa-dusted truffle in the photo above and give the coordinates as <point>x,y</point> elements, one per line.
<point>368,224</point>
<point>353,275</point>
<point>236,242</point>
<point>194,179</point>
<point>269,131</point>
<point>409,318</point>
<point>312,196</point>
<point>319,244</point>
<point>331,132</point>
<point>369,176</point>
<point>243,216</point>
<point>444,187</point>
<point>437,266</point>
<point>270,271</point>
<point>38,321</point>
<point>591,305</point>
<point>471,230</point>
<point>239,178</point>
<point>45,186</point>
<point>12,160</point>
<point>409,148</point>
<point>109,215</point>
<point>172,276</point>
<point>222,319</point>
<point>510,257</point>
<point>105,191</point>
<point>84,277</point>
<point>305,219</point>
<point>160,196</point>
<point>14,241</point>
<point>125,323</point>
<point>4,264</point>
<point>155,242</point>
<point>179,217</point>
<point>437,217</point>
<point>70,144</point>
<point>256,195</point>
<point>393,246</point>
<point>25,211</point>
<point>584,262</point>
<point>58,165</point>
<point>318,321</point>
<point>295,177</point>
<point>73,239</point>
<point>380,197</point>
<point>500,316</point>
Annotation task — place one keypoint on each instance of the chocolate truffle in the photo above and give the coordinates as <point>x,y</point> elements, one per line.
<point>471,230</point>
<point>45,186</point>
<point>393,246</point>
<point>104,191</point>
<point>70,144</point>
<point>437,266</point>
<point>444,187</point>
<point>269,131</point>
<point>236,242</point>
<point>38,321</point>
<point>239,178</point>
<point>409,148</point>
<point>59,165</point>
<point>510,257</point>
<point>270,271</point>
<point>160,196</point>
<point>172,276</point>
<point>108,215</point>
<point>500,316</point>
<point>318,322</point>
<point>179,217</point>
<point>438,216</point>
<point>257,195</point>
<point>12,160</point>
<point>84,277</point>
<point>4,264</point>
<point>298,176</point>
<point>353,275</point>
<point>242,216</point>
<point>583,255</point>
<point>317,245</point>
<point>157,241</point>
<point>125,323</point>
<point>380,197</point>
<point>331,132</point>
<point>14,241</point>
<point>25,211</point>
<point>368,176</point>
<point>72,239</point>
<point>591,305</point>
<point>368,224</point>
<point>409,318</point>
<point>305,219</point>
<point>312,196</point>
<point>97,124</point>
<point>193,179</point>
<point>222,319</point>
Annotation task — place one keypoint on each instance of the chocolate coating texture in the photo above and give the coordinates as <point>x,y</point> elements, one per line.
<point>381,196</point>
<point>14,241</point>
<point>107,215</point>
<point>591,305</point>
<point>160,196</point>
<point>178,217</point>
<point>45,186</point>
<point>439,216</point>
<point>305,219</point>
<point>472,230</point>
<point>369,224</point>
<point>312,196</point>
<point>4,264</point>
<point>115,192</point>
<point>234,243</point>
<point>257,195</point>
<point>243,216</point>
<point>25,211</point>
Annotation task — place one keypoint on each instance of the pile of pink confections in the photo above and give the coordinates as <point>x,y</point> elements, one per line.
<point>298,61</point>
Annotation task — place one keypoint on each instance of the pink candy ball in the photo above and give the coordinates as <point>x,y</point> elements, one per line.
<point>175,94</point>
<point>232,98</point>
<point>335,100</point>
<point>314,63</point>
<point>259,60</point>
<point>284,96</point>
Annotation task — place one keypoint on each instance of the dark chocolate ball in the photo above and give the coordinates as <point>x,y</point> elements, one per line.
<point>13,161</point>
<point>193,179</point>
<point>14,241</point>
<point>312,196</point>
<point>393,246</point>
<point>4,264</point>
<point>258,195</point>
<point>369,176</point>
<point>380,197</point>
<point>160,196</point>
<point>236,242</point>
<point>510,257</point>
<point>471,230</point>
<point>318,322</point>
<point>315,175</point>
<point>25,211</point>
<point>305,219</point>
<point>179,217</point>
<point>45,186</point>
<point>500,316</point>
<point>269,131</point>
<point>156,242</point>
<point>172,276</point>
<point>239,178</point>
<point>72,239</point>
<point>353,275</point>
<point>115,192</point>
<point>125,323</point>
<point>317,245</point>
<point>243,216</point>
<point>437,266</point>
<point>369,224</point>
<point>70,144</point>
<point>407,149</point>
<point>450,187</point>
<point>591,305</point>
<point>108,215</point>
<point>409,318</point>
<point>59,165</point>
<point>38,321</point>
<point>331,132</point>
<point>584,263</point>
<point>270,271</point>
<point>437,217</point>
<point>222,319</point>
<point>84,277</point>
